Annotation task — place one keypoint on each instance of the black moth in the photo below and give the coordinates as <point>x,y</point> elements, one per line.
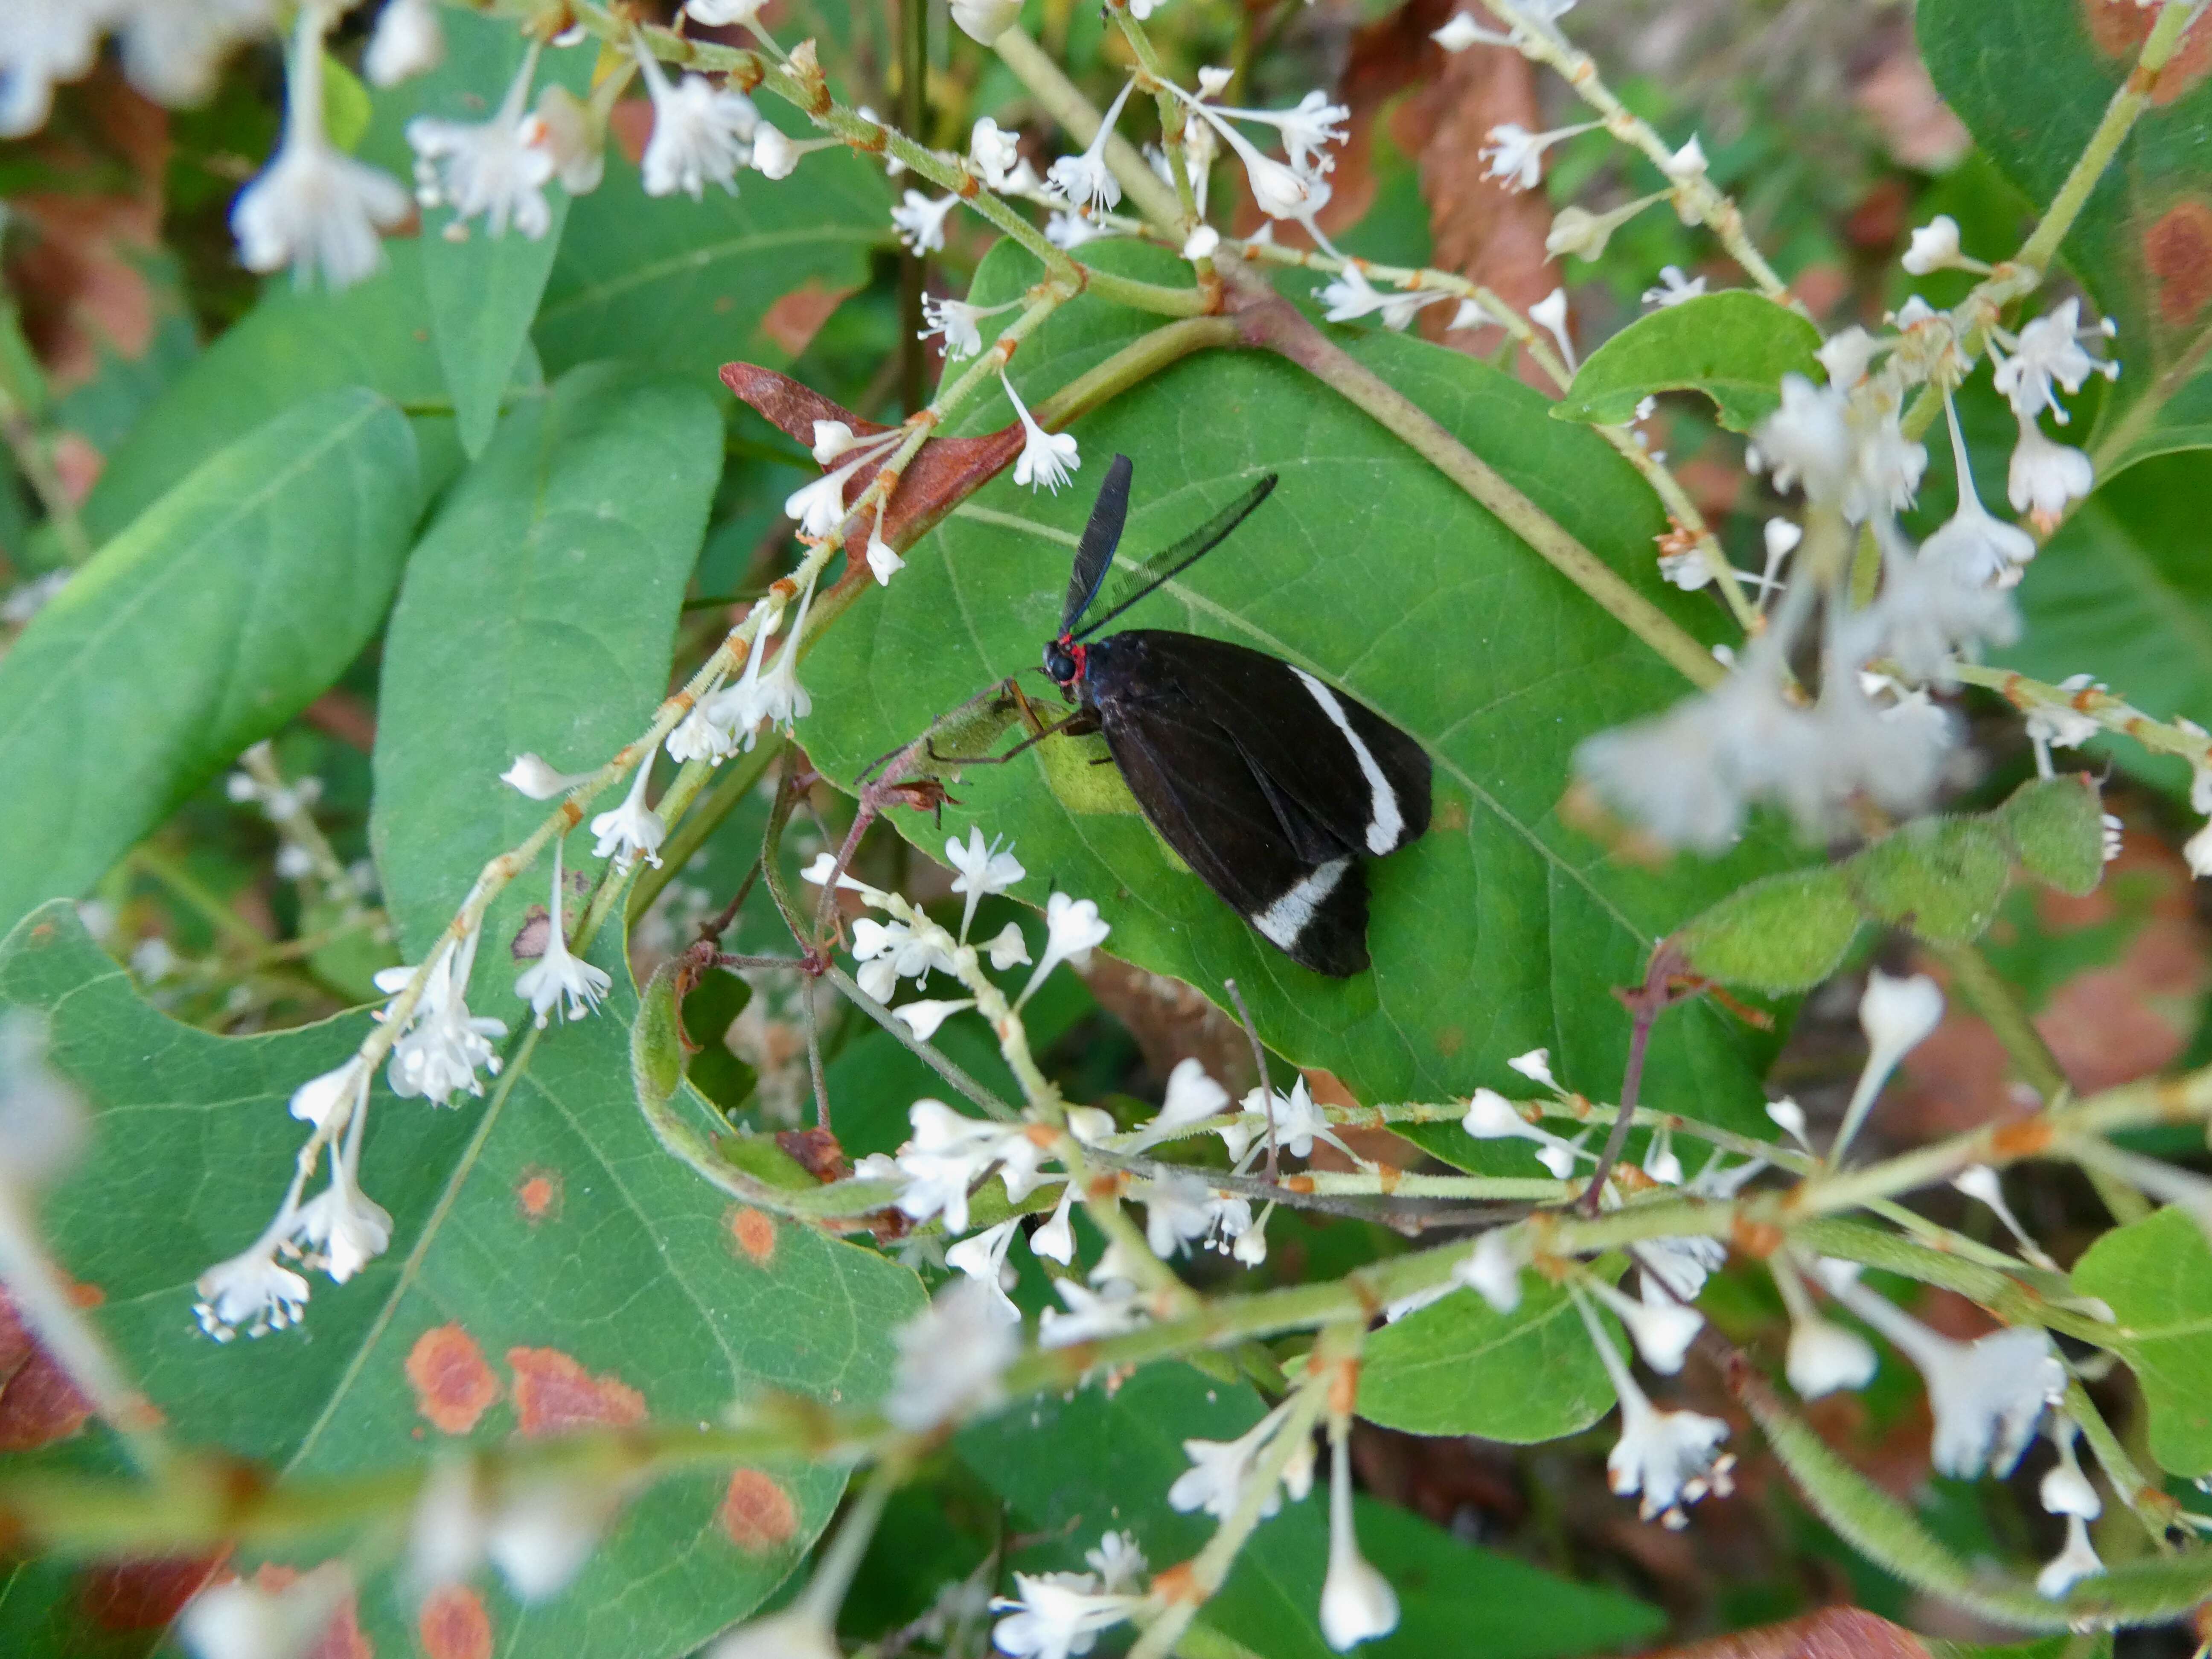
<point>1270,785</point>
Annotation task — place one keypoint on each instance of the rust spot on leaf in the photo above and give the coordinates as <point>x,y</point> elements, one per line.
<point>1450,1040</point>
<point>453,1625</point>
<point>757,1514</point>
<point>2177,252</point>
<point>142,1594</point>
<point>753,1232</point>
<point>793,321</point>
<point>538,1194</point>
<point>554,1394</point>
<point>453,1383</point>
<point>944,473</point>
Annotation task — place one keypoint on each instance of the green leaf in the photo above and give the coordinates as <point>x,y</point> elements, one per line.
<point>224,610</point>
<point>1111,1460</point>
<point>2156,1274</point>
<point>2031,81</point>
<point>484,289</point>
<point>537,616</point>
<point>1944,877</point>
<point>1501,930</point>
<point>684,286</point>
<point>1786,932</point>
<point>493,1205</point>
<point>1458,1366</point>
<point>1734,346</point>
<point>2123,594</point>
<point>295,344</point>
<point>2057,826</point>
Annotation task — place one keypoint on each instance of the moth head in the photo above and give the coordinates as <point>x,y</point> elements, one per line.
<point>1063,661</point>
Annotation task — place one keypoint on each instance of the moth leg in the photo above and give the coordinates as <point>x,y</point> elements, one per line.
<point>1081,723</point>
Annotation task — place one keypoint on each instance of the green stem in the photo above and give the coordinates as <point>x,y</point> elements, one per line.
<point>1146,296</point>
<point>1135,363</point>
<point>172,874</point>
<point>1273,323</point>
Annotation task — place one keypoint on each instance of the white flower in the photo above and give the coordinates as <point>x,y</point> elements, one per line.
<point>239,1620</point>
<point>1281,190</point>
<point>1515,156</point>
<point>1463,32</point>
<point>774,154</point>
<point>1846,354</point>
<point>251,1292</point>
<point>1980,549</point>
<point>985,20</point>
<point>1055,1240</point>
<point>949,1152</point>
<point>1491,1116</point>
<point>779,698</point>
<point>1298,1119</point>
<point>982,870</point>
<point>1934,247</point>
<point>443,1045</point>
<point>1669,1457</point>
<point>1807,437</point>
<point>1536,1067</point>
<point>799,1631</point>
<point>920,221</point>
<point>982,1257</point>
<point>1118,1562</point>
<point>1493,1268</point>
<point>951,1357</point>
<point>498,168</point>
<point>1550,313</point>
<point>699,132</point>
<point>343,1228</point>
<point>1673,288</point>
<point>409,41</point>
<point>720,13</point>
<point>1823,1356</point>
<point>173,52</point>
<point>1202,243</point>
<point>1047,459</point>
<point>1663,1330</point>
<point>632,829</point>
<point>544,1530</point>
<point>923,1018</point>
<point>1897,1015</point>
<point>2045,475</point>
<point>1181,1210</point>
<point>558,978</point>
<point>40,46</point>
<point>1083,181</point>
<point>1214,1482</point>
<point>342,1090</point>
<point>314,208</point>
<point>956,320</point>
<point>889,952</point>
<point>1350,296</point>
<point>2047,351</point>
<point>1009,949</point>
<point>575,135</point>
<point>1192,1096</point>
<point>1357,1602</point>
<point>2064,1489</point>
<point>995,151</point>
<point>1073,927</point>
<point>1091,1316</point>
<point>1979,1181</point>
<point>2077,1561</point>
<point>1057,1614</point>
<point>1987,1395</point>
<point>534,778</point>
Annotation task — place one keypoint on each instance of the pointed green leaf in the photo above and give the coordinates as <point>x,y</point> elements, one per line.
<point>1501,929</point>
<point>689,1304</point>
<point>538,615</point>
<point>2156,1274</point>
<point>225,609</point>
<point>1734,347</point>
<point>1458,1366</point>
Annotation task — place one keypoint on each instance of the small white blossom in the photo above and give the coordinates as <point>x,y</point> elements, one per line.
<point>982,870</point>
<point>995,152</point>
<point>985,20</point>
<point>633,829</point>
<point>1048,458</point>
<point>1897,1014</point>
<point>702,132</point>
<point>956,320</point>
<point>498,168</point>
<point>774,154</point>
<point>949,1152</point>
<point>2077,1561</point>
<point>1515,156</point>
<point>780,699</point>
<point>1673,288</point>
<point>1181,1210</point>
<point>1072,928</point>
<point>1823,1357</point>
<point>534,778</point>
<point>1462,32</point>
<point>1299,1120</point>
<point>721,14</point>
<point>2045,475</point>
<point>1491,1116</point>
<point>560,981</point>
<point>1055,1240</point>
<point>343,1229</point>
<point>1214,1482</point>
<point>1987,1395</point>
<point>1091,1316</point>
<point>2046,352</point>
<point>1536,1067</point>
<point>1550,313</point>
<point>1935,247</point>
<point>1357,1602</point>
<point>1349,295</point>
<point>1979,547</point>
<point>982,1257</point>
<point>1056,1615</point>
<point>544,1530</point>
<point>1009,949</point>
<point>252,1291</point>
<point>923,1018</point>
<point>239,1620</point>
<point>1846,354</point>
<point>1084,180</point>
<point>1068,231</point>
<point>1979,1182</point>
<point>1669,1457</point>
<point>950,1357</point>
<point>1663,1330</point>
<point>342,1090</point>
<point>890,951</point>
<point>409,41</point>
<point>443,1046</point>
<point>2064,1489</point>
<point>42,46</point>
<point>1686,164</point>
<point>1192,1096</point>
<point>314,208</point>
<point>920,221</point>
<point>1202,243</point>
<point>1493,1268</point>
<point>1279,190</point>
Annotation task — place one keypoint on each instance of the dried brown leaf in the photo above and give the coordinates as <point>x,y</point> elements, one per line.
<point>1831,1633</point>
